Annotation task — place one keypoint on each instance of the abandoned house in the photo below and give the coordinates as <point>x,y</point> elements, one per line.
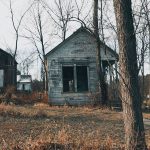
<point>72,75</point>
<point>24,83</point>
<point>8,70</point>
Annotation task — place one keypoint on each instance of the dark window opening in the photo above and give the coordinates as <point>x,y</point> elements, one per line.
<point>82,79</point>
<point>75,79</point>
<point>68,79</point>
<point>23,87</point>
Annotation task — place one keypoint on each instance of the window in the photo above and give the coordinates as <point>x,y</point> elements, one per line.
<point>1,78</point>
<point>75,78</point>
<point>68,79</point>
<point>82,80</point>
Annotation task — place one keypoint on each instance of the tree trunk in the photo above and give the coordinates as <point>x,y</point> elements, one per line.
<point>130,94</point>
<point>46,75</point>
<point>43,52</point>
<point>100,72</point>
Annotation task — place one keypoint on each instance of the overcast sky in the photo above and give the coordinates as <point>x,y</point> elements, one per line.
<point>7,38</point>
<point>25,48</point>
<point>7,34</point>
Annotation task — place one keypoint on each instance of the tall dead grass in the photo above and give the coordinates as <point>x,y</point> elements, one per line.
<point>64,140</point>
<point>59,133</point>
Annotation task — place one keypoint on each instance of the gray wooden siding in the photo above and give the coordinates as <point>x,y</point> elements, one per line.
<point>80,50</point>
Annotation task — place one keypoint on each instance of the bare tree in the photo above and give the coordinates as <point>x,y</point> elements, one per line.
<point>100,72</point>
<point>16,26</point>
<point>141,23</point>
<point>38,36</point>
<point>60,15</point>
<point>26,63</point>
<point>147,18</point>
<point>142,27</point>
<point>130,94</point>
<point>65,13</point>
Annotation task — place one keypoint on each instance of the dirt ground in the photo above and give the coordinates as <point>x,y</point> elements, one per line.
<point>28,126</point>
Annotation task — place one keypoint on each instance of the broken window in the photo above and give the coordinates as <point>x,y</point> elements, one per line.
<point>68,79</point>
<point>75,78</point>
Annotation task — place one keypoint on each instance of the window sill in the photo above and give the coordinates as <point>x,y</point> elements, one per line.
<point>75,93</point>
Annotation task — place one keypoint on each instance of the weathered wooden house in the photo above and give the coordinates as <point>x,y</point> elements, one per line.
<point>72,75</point>
<point>24,83</point>
<point>8,70</point>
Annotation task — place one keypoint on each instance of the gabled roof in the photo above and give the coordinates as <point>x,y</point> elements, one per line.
<point>8,54</point>
<point>24,78</point>
<point>81,29</point>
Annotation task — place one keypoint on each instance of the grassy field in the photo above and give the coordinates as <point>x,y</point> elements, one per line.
<point>41,127</point>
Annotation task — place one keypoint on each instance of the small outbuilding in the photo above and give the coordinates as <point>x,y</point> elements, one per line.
<point>8,70</point>
<point>24,83</point>
<point>72,75</point>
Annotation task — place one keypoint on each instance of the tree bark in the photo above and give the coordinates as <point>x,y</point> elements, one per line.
<point>100,71</point>
<point>130,93</point>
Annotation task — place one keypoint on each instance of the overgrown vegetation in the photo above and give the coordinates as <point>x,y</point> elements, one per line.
<point>11,96</point>
<point>41,127</point>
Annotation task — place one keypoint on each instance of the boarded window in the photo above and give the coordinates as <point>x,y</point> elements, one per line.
<point>75,79</point>
<point>1,78</point>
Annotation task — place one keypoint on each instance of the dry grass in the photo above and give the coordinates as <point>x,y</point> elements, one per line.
<point>22,98</point>
<point>41,127</point>
<point>146,115</point>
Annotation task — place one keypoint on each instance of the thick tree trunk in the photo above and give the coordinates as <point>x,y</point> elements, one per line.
<point>100,72</point>
<point>130,94</point>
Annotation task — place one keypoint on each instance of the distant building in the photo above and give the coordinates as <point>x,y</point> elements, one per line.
<point>24,83</point>
<point>8,70</point>
<point>72,74</point>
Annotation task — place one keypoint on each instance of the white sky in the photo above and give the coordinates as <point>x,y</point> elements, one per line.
<point>7,38</point>
<point>7,33</point>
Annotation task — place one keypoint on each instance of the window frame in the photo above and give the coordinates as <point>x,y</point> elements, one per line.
<point>63,80</point>
<point>75,77</point>
<point>3,77</point>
